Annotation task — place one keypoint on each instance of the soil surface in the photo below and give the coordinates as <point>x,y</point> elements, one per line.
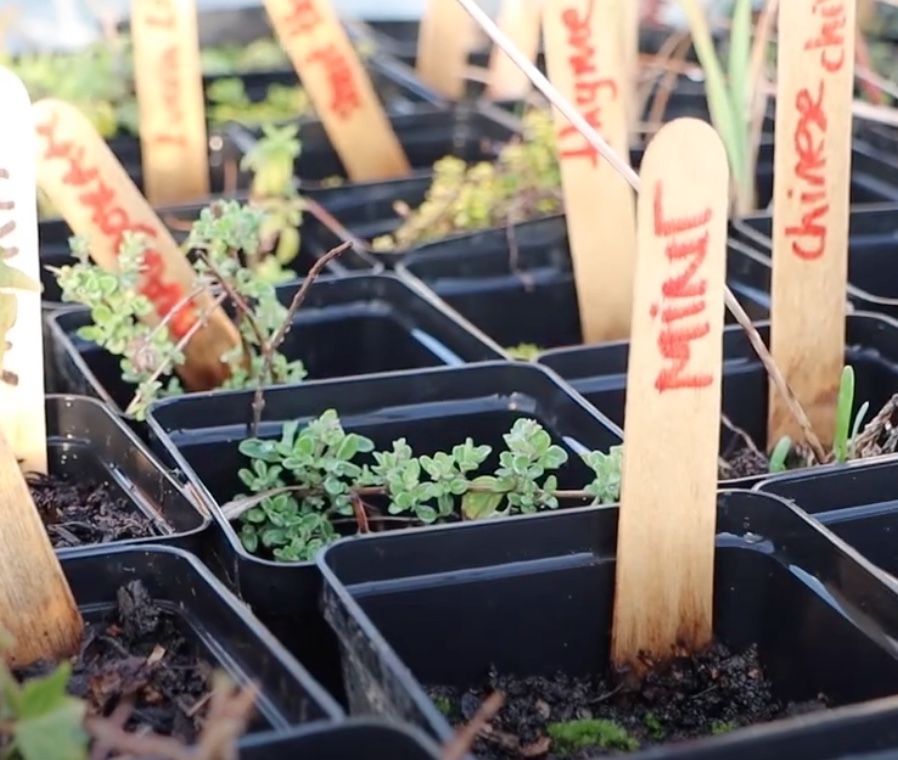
<point>86,512</point>
<point>568,719</point>
<point>743,462</point>
<point>138,654</point>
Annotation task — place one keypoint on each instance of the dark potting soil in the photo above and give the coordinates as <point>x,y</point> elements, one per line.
<point>564,718</point>
<point>742,461</point>
<point>138,654</point>
<point>86,512</point>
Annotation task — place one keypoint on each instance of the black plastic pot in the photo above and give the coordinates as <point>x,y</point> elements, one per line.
<point>600,374</point>
<point>359,739</point>
<point>857,501</point>
<point>199,436</point>
<point>872,235</point>
<point>473,132</point>
<point>508,292</point>
<point>224,632</point>
<point>351,325</point>
<point>368,211</point>
<point>533,596</point>
<point>86,441</point>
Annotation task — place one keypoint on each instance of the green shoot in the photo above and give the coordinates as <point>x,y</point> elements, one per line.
<point>729,96</point>
<point>843,414</point>
<point>780,454</point>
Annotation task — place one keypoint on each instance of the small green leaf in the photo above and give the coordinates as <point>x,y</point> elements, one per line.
<point>481,504</point>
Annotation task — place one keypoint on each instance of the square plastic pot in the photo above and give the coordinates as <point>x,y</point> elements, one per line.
<point>351,325</point>
<point>857,501</point>
<point>432,409</point>
<point>224,632</point>
<point>600,374</point>
<point>358,739</point>
<point>86,441</point>
<point>368,211</point>
<point>533,596</point>
<point>507,290</point>
<point>872,231</point>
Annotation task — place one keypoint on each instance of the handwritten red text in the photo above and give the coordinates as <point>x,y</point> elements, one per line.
<point>587,83</point>
<point>302,19</point>
<point>113,221</point>
<point>808,237</point>
<point>682,297</point>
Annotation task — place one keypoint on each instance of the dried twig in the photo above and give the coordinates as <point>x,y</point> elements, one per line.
<point>230,711</point>
<point>460,744</point>
<point>269,347</point>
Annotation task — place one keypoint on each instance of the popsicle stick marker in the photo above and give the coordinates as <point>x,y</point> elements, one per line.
<point>520,20</point>
<point>344,98</point>
<point>585,64</point>
<point>37,609</point>
<point>169,82</point>
<point>815,73</point>
<point>94,194</point>
<point>666,526</point>
<point>444,44</point>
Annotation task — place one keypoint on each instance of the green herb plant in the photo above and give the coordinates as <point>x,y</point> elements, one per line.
<point>223,237</point>
<point>39,720</point>
<point>318,477</point>
<point>523,183</point>
<point>524,352</point>
<point>273,191</point>
<point>845,435</point>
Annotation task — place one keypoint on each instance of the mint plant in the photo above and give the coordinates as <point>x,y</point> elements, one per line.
<point>224,237</point>
<point>318,478</point>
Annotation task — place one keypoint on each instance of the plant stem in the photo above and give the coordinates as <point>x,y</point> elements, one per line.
<point>269,348</point>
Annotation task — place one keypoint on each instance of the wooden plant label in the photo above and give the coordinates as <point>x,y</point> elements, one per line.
<point>444,43</point>
<point>598,202</point>
<point>169,82</point>
<point>339,87</point>
<point>93,193</point>
<point>22,414</point>
<point>628,13</point>
<point>520,21</point>
<point>812,170</point>
<point>666,525</point>
<point>37,610</point>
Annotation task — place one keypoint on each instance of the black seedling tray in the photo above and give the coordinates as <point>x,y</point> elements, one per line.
<point>351,325</point>
<point>857,501</point>
<point>199,435</point>
<point>223,630</point>
<point>86,441</point>
<point>368,211</point>
<point>357,739</point>
<point>600,374</point>
<point>427,134</point>
<point>508,292</point>
<point>533,596</point>
<point>872,242</point>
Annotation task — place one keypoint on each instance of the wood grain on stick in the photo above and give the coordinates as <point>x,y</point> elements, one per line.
<point>520,21</point>
<point>812,171</point>
<point>99,201</point>
<point>444,44</point>
<point>339,87</point>
<point>169,82</point>
<point>37,608</point>
<point>22,412</point>
<point>584,62</point>
<point>666,525</point>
